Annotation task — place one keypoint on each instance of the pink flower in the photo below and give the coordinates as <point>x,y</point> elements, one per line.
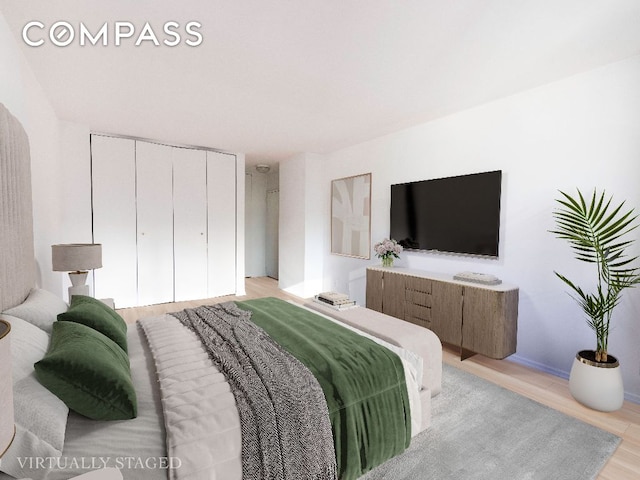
<point>387,248</point>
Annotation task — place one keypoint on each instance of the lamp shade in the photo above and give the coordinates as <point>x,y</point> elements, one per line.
<point>77,257</point>
<point>7,426</point>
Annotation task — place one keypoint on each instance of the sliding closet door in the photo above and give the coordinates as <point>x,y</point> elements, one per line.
<point>113,170</point>
<point>166,217</point>
<point>221,203</point>
<point>190,223</point>
<point>155,223</point>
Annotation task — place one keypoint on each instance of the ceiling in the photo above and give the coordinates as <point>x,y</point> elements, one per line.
<point>273,78</point>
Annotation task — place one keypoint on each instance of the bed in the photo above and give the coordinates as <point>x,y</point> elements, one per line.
<point>178,413</point>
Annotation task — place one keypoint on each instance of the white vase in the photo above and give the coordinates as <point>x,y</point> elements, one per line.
<point>596,385</point>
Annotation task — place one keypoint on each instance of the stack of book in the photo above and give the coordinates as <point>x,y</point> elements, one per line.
<point>338,301</point>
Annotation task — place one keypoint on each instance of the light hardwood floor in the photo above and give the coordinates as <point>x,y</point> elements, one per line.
<point>256,288</point>
<point>539,386</point>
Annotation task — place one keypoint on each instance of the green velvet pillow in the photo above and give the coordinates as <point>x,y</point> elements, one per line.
<point>95,314</point>
<point>88,372</point>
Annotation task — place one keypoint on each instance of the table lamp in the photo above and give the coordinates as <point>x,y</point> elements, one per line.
<point>7,424</point>
<point>77,259</point>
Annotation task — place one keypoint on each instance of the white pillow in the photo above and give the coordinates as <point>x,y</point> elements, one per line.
<point>41,308</point>
<point>40,416</point>
<point>28,345</point>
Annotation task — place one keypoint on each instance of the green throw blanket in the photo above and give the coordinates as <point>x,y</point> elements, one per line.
<point>363,382</point>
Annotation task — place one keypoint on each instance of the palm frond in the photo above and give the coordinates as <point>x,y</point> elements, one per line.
<point>597,233</point>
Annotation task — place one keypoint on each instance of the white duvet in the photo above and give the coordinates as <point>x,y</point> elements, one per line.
<point>201,420</point>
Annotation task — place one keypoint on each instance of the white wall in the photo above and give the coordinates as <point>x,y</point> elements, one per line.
<point>581,132</point>
<point>240,228</point>
<point>75,194</point>
<point>303,211</point>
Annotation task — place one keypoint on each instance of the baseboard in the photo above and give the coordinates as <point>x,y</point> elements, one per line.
<point>631,397</point>
<point>538,366</point>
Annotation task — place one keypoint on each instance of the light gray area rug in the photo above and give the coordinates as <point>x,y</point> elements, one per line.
<point>482,431</point>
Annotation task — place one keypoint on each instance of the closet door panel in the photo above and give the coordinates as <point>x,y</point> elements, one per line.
<point>221,204</point>
<point>114,218</point>
<point>155,223</point>
<point>190,223</point>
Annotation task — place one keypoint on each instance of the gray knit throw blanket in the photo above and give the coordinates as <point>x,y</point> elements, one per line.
<point>286,432</point>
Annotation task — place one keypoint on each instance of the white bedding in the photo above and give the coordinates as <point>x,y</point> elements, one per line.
<point>202,422</point>
<point>201,418</point>
<point>135,446</point>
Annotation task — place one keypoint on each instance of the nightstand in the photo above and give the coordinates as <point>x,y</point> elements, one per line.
<point>108,302</point>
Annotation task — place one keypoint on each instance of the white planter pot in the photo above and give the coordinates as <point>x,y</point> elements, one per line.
<point>597,385</point>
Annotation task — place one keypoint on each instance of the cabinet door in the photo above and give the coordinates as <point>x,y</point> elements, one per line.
<point>489,322</point>
<point>190,223</point>
<point>374,290</point>
<point>221,202</point>
<point>155,223</point>
<point>114,218</point>
<point>446,311</point>
<point>393,294</point>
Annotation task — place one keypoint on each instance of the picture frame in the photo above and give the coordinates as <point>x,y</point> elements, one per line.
<point>351,216</point>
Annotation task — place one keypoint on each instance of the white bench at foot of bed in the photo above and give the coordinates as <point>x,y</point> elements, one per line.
<point>414,338</point>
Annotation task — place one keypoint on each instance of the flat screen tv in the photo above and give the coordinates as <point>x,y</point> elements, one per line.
<point>455,214</point>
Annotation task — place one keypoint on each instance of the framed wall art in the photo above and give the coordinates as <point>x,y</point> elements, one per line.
<point>351,216</point>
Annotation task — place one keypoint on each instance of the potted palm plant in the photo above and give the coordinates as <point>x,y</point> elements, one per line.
<point>597,232</point>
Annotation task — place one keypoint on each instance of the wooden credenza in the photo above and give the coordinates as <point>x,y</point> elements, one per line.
<point>477,318</point>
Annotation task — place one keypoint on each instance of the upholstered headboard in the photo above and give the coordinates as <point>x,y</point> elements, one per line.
<point>17,262</point>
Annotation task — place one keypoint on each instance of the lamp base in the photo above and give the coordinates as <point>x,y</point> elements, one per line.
<point>79,290</point>
<point>78,282</point>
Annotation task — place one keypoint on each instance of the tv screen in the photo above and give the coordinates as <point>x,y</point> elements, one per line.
<point>455,214</point>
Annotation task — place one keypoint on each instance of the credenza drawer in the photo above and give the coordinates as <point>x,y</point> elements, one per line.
<point>418,284</point>
<point>418,314</point>
<point>418,298</point>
